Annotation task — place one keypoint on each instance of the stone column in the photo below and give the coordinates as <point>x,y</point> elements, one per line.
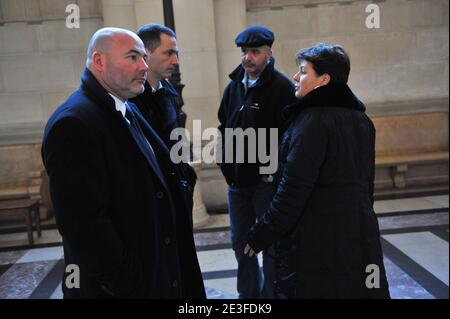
<point>194,24</point>
<point>149,11</point>
<point>119,13</point>
<point>228,56</point>
<point>199,214</point>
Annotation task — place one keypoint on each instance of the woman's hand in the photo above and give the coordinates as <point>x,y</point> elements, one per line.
<point>248,250</point>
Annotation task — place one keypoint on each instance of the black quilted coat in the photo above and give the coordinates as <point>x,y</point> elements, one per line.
<point>321,219</point>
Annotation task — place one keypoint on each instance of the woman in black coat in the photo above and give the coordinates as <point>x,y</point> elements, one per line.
<point>321,219</point>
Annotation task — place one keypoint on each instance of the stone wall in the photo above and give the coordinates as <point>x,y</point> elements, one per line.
<point>40,62</point>
<point>399,70</point>
<point>40,65</point>
<point>405,59</point>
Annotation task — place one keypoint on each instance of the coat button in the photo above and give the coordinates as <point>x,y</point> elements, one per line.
<point>167,240</point>
<point>159,195</point>
<point>175,284</point>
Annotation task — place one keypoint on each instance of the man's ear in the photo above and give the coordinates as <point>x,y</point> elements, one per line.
<point>326,78</point>
<point>98,61</point>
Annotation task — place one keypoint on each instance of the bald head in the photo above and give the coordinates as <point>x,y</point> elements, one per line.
<point>117,59</point>
<point>103,39</point>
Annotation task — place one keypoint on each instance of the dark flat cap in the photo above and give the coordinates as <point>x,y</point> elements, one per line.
<point>255,36</point>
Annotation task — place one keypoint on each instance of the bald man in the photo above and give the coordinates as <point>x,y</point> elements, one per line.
<point>118,199</point>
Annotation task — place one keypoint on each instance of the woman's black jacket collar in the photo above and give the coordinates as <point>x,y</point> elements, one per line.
<point>330,95</point>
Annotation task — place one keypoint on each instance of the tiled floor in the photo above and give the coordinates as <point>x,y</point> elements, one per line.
<point>414,232</point>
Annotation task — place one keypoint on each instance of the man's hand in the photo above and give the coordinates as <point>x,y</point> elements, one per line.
<point>248,250</point>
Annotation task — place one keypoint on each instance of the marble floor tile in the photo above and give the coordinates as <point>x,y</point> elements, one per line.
<point>57,294</point>
<point>406,221</point>
<point>14,239</point>
<point>216,221</point>
<point>21,239</point>
<point>42,254</point>
<point>225,285</point>
<point>212,238</point>
<point>213,260</point>
<point>212,293</point>
<point>403,205</point>
<point>10,257</point>
<point>438,200</point>
<point>426,249</point>
<point>29,267</point>
<point>401,285</point>
<point>19,281</point>
<point>219,259</point>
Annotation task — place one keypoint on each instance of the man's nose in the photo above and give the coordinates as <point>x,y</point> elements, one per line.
<point>144,65</point>
<point>297,77</point>
<point>175,60</point>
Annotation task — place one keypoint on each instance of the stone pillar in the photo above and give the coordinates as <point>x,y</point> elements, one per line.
<point>195,27</point>
<point>228,56</point>
<point>149,11</point>
<point>199,214</point>
<point>119,13</point>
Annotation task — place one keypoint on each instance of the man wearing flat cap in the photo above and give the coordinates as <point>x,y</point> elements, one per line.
<point>254,98</point>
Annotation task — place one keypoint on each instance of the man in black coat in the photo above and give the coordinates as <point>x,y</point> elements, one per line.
<point>158,102</point>
<point>115,192</point>
<point>253,99</point>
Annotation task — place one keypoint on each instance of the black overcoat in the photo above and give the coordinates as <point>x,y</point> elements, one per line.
<point>123,225</point>
<point>322,217</point>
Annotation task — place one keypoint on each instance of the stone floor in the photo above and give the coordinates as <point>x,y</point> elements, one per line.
<point>414,232</point>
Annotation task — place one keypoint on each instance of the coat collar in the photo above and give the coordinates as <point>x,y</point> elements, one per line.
<point>103,99</point>
<point>96,92</point>
<point>331,95</point>
<point>165,85</point>
<point>169,87</point>
<point>143,98</point>
<point>267,74</point>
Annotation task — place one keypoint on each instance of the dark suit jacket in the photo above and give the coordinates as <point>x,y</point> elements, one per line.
<point>127,230</point>
<point>160,110</point>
